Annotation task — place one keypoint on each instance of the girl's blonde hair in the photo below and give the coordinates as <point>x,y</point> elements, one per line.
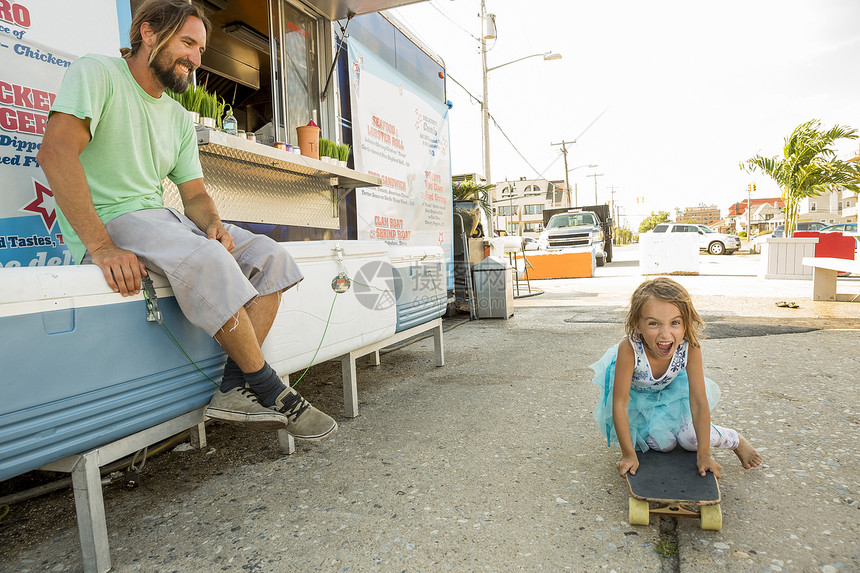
<point>166,17</point>
<point>667,290</point>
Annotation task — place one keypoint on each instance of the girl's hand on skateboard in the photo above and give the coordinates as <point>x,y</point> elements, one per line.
<point>627,464</point>
<point>708,464</point>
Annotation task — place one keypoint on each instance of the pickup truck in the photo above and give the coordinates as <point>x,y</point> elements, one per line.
<point>575,230</point>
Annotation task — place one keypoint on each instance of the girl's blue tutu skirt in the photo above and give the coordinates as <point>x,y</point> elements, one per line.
<point>655,414</point>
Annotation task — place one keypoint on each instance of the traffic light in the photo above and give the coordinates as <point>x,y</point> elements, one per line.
<point>753,187</point>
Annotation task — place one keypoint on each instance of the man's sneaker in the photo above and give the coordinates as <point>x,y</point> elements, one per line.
<point>304,421</point>
<point>241,405</point>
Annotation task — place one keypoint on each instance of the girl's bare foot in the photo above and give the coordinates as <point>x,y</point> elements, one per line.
<point>747,454</point>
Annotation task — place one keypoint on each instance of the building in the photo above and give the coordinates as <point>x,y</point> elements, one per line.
<point>476,177</point>
<point>701,215</point>
<point>765,215</point>
<point>830,207</point>
<point>518,205</point>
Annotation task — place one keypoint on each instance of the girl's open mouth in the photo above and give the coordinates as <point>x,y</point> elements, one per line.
<point>664,348</point>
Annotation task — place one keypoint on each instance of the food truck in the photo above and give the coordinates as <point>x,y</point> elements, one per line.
<point>360,76</point>
<point>383,219</point>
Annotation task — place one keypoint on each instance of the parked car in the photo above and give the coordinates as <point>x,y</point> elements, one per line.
<point>803,226</point>
<point>709,240</point>
<point>840,228</point>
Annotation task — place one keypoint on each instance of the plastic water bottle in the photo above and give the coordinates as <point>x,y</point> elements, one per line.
<point>229,124</point>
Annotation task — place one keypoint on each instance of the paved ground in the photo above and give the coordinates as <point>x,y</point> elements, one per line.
<point>493,463</point>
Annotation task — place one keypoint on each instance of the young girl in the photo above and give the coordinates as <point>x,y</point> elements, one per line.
<point>654,393</point>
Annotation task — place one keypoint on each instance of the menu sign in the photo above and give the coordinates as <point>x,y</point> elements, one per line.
<point>38,41</point>
<point>401,136</point>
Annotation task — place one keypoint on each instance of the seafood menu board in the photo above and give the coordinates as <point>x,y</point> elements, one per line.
<point>38,41</point>
<point>400,135</point>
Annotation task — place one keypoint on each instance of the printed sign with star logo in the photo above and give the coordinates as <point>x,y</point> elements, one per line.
<point>42,205</point>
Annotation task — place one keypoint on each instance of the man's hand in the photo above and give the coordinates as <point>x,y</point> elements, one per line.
<point>217,231</point>
<point>122,269</point>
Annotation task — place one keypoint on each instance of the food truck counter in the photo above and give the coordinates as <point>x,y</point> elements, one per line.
<point>255,183</point>
<point>215,142</point>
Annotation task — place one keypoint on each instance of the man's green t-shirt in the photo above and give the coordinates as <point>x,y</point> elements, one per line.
<point>136,140</point>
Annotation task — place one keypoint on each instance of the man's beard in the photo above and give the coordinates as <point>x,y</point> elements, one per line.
<point>166,74</point>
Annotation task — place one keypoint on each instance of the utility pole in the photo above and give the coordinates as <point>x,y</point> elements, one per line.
<point>566,180</point>
<point>750,189</point>
<point>485,110</point>
<point>613,211</point>
<point>595,175</point>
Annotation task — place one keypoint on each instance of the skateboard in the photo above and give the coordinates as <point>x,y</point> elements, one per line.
<point>668,483</point>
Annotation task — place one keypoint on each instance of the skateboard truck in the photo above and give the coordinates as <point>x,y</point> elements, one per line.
<point>153,313</point>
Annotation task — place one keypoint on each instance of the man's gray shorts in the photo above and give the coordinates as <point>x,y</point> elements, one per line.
<point>210,283</point>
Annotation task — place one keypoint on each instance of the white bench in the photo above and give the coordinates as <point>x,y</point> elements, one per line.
<point>85,467</point>
<point>86,478</point>
<point>350,378</point>
<point>824,270</point>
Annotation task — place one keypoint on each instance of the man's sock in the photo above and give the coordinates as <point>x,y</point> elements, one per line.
<point>266,384</point>
<point>232,376</point>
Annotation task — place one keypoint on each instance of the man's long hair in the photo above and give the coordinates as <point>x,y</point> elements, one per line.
<point>166,17</point>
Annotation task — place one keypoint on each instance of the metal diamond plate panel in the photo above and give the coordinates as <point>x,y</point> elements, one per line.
<point>258,184</point>
<point>244,191</point>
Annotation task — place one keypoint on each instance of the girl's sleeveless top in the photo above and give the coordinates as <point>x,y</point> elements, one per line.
<point>643,379</point>
<point>657,406</point>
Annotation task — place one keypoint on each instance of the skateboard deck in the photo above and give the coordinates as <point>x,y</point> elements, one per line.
<point>668,483</point>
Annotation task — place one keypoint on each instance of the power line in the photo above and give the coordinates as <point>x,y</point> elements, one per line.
<point>471,95</point>
<point>541,175</point>
<point>590,124</point>
<point>554,161</point>
<point>447,17</point>
<point>478,100</point>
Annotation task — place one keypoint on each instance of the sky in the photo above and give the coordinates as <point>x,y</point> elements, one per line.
<point>687,90</point>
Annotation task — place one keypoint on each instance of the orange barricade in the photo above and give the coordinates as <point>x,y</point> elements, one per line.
<point>558,265</point>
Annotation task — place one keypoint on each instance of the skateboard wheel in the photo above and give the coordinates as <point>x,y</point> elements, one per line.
<point>639,512</point>
<point>711,517</point>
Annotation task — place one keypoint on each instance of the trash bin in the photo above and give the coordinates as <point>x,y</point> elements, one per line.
<point>494,288</point>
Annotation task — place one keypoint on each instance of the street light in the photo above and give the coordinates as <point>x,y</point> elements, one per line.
<point>488,31</point>
<point>547,56</point>
<point>576,192</point>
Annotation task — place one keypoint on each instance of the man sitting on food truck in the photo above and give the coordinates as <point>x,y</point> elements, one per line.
<point>111,138</point>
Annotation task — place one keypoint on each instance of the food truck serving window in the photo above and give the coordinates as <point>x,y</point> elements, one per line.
<point>263,58</point>
<point>299,65</point>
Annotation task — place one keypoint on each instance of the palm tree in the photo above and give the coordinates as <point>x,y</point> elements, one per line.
<point>471,190</point>
<point>808,167</point>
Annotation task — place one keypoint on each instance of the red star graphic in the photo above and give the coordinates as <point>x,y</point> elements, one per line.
<point>38,206</point>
